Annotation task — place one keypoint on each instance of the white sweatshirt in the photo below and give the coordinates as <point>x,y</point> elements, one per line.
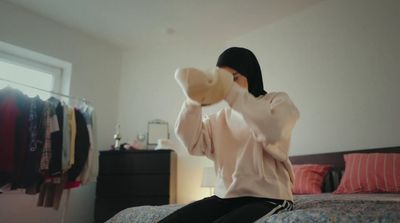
<point>248,142</point>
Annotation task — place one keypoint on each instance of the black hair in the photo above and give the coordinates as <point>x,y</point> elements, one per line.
<point>244,62</point>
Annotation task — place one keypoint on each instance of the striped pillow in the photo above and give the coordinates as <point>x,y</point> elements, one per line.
<point>309,178</point>
<point>370,172</point>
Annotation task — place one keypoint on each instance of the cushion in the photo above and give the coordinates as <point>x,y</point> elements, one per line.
<point>309,178</point>
<point>370,173</point>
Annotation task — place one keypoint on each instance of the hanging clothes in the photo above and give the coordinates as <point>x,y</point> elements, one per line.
<point>82,145</point>
<point>21,145</point>
<point>45,146</point>
<point>56,139</point>
<point>51,190</point>
<point>72,128</point>
<point>9,111</point>
<point>90,170</point>
<point>14,113</point>
<point>51,127</point>
<point>66,140</point>
<point>36,142</point>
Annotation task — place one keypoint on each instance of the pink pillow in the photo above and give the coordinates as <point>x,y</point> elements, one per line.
<point>309,178</point>
<point>370,172</point>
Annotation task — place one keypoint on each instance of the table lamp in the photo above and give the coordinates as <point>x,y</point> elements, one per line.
<point>209,178</point>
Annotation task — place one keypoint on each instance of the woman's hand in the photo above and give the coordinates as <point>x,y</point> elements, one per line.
<point>206,88</point>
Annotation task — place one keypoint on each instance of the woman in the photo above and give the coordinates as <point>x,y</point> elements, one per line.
<point>248,142</point>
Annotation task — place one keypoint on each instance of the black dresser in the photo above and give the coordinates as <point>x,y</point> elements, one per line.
<point>134,178</point>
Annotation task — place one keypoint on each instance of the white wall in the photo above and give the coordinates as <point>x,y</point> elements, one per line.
<point>339,61</point>
<point>96,68</point>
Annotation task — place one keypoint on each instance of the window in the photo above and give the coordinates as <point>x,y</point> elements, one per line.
<point>33,73</point>
<point>26,76</point>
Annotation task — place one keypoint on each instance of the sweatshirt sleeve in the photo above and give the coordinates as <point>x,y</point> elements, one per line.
<point>193,132</point>
<point>270,120</point>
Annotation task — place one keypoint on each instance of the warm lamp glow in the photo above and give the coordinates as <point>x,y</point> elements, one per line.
<point>209,178</point>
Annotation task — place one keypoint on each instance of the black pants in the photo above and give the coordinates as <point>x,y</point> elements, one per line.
<point>217,210</point>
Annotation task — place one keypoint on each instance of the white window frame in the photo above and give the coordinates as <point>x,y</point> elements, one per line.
<point>59,69</point>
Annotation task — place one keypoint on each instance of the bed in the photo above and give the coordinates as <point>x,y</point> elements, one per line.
<point>323,207</point>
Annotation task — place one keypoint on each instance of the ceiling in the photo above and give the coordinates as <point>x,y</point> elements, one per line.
<point>136,23</point>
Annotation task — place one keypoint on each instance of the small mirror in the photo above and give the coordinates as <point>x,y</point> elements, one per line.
<point>156,129</point>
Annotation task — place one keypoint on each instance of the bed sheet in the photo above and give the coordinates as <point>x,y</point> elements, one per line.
<point>382,208</point>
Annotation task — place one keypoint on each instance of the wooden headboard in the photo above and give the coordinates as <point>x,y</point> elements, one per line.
<point>336,158</point>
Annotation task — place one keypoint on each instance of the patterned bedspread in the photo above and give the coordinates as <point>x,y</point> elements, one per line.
<point>382,208</point>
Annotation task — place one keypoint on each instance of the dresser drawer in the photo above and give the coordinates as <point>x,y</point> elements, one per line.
<point>133,185</point>
<point>134,162</point>
<point>134,178</point>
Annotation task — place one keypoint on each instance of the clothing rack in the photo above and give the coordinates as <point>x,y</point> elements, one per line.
<point>43,90</point>
<point>65,207</point>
